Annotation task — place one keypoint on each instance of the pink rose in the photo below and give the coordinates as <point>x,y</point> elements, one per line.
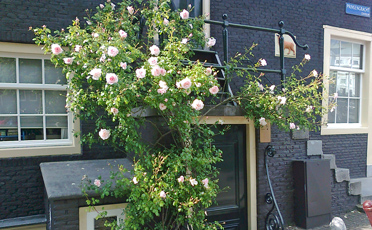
<point>260,86</point>
<point>162,106</point>
<point>123,65</point>
<point>78,48</point>
<point>111,78</point>
<point>211,42</point>
<point>307,57</point>
<point>184,41</point>
<point>282,100</point>
<point>156,71</point>
<point>112,51</point>
<point>309,109</point>
<point>101,6</point>
<point>185,83</point>
<point>95,35</point>
<point>162,194</point>
<point>135,181</point>
<point>263,62</point>
<point>272,87</point>
<point>197,104</point>
<point>292,126</point>
<point>97,182</point>
<point>193,182</point>
<point>184,14</point>
<point>141,73</point>
<point>123,34</point>
<point>153,61</point>
<point>214,90</point>
<point>162,91</point>
<point>130,9</point>
<point>104,134</point>
<point>181,179</point>
<point>262,121</point>
<point>163,84</point>
<point>165,22</point>
<point>56,49</point>
<point>208,71</point>
<point>68,61</point>
<point>96,73</point>
<point>114,110</point>
<point>103,58</point>
<point>205,182</point>
<point>154,50</point>
<point>162,71</point>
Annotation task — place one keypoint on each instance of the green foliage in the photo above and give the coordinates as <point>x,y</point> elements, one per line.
<point>116,74</point>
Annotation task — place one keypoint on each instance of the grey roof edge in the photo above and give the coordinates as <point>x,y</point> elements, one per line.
<point>63,180</point>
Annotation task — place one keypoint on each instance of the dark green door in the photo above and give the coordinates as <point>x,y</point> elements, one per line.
<point>231,209</point>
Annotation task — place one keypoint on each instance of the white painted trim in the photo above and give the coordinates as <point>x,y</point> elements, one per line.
<point>29,227</point>
<point>366,97</point>
<point>87,217</point>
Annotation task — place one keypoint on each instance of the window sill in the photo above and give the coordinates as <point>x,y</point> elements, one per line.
<point>343,130</point>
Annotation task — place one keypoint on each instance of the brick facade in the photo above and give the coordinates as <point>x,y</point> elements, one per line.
<point>305,19</point>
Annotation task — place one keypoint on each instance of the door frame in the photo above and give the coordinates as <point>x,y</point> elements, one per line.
<point>251,160</point>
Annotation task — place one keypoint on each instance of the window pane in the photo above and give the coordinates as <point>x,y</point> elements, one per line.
<point>357,56</point>
<point>8,70</point>
<point>56,127</point>
<point>332,84</point>
<point>346,48</point>
<point>341,115</point>
<point>331,113</point>
<point>55,102</point>
<point>354,111</point>
<point>341,83</point>
<point>32,128</point>
<point>8,122</point>
<point>8,134</point>
<point>354,85</point>
<point>335,53</point>
<point>30,102</point>
<point>8,101</point>
<point>53,75</point>
<point>30,71</point>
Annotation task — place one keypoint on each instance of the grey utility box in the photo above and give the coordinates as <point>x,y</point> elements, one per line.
<point>312,192</point>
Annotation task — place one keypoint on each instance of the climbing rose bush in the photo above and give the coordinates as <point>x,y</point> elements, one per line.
<point>116,73</point>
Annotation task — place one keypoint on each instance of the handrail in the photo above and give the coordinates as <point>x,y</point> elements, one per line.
<point>225,24</point>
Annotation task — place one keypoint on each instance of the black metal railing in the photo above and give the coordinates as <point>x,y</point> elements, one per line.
<point>273,220</point>
<point>281,31</point>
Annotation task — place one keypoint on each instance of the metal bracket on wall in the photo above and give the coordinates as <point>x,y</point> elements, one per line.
<point>273,220</point>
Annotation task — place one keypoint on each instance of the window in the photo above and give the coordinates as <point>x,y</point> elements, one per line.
<point>88,221</point>
<point>346,61</point>
<point>32,103</point>
<point>346,73</point>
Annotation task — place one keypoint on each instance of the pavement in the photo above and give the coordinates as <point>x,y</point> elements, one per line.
<point>354,220</point>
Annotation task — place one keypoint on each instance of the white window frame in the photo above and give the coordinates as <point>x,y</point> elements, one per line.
<point>87,216</point>
<point>37,147</point>
<point>365,98</point>
<point>349,70</point>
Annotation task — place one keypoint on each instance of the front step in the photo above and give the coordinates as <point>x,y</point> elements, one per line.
<point>361,186</point>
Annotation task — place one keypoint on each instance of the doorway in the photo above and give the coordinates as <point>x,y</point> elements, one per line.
<point>231,208</point>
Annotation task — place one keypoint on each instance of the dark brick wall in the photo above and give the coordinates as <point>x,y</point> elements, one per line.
<point>305,19</point>
<point>22,186</point>
<point>350,151</point>
<point>16,16</point>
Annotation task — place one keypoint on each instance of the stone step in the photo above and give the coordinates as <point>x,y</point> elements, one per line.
<point>342,174</point>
